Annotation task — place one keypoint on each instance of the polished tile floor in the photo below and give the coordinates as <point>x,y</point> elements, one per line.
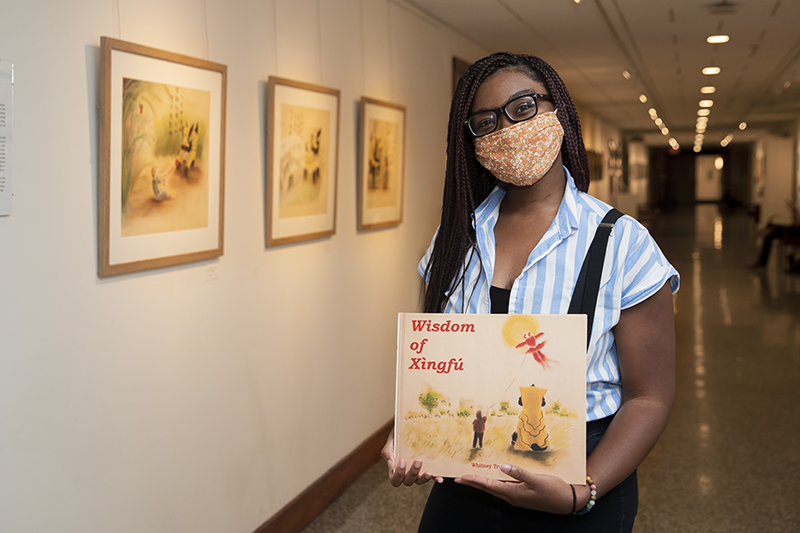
<point>729,459</point>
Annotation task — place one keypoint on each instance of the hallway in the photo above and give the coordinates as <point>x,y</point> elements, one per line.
<point>728,460</point>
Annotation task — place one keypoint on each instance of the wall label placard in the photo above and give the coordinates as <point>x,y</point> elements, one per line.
<point>6,133</point>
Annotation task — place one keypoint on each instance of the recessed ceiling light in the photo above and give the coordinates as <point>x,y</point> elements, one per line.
<point>702,120</point>
<point>659,122</point>
<point>711,71</point>
<point>577,1</point>
<point>665,131</point>
<point>700,136</point>
<point>703,112</point>
<point>626,75</point>
<point>652,112</point>
<point>697,148</point>
<point>742,126</point>
<point>706,103</point>
<point>708,89</point>
<point>643,98</point>
<point>718,39</point>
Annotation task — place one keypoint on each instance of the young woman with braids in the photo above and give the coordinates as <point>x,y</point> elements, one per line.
<point>516,226</point>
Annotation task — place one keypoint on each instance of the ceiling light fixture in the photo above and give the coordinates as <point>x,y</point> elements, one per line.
<point>703,112</point>
<point>702,120</point>
<point>742,125</point>
<point>664,131</point>
<point>706,103</point>
<point>627,75</point>
<point>708,89</point>
<point>643,98</point>
<point>697,148</point>
<point>659,122</point>
<point>718,39</point>
<point>719,163</point>
<point>711,71</point>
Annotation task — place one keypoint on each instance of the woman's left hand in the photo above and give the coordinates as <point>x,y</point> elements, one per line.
<point>539,492</point>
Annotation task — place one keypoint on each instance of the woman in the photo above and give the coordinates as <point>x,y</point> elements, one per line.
<point>516,226</point>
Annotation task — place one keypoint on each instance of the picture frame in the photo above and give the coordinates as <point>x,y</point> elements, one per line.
<point>302,161</point>
<point>382,164</point>
<point>161,175</point>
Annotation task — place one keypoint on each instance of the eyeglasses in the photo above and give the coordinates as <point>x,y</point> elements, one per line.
<point>517,110</point>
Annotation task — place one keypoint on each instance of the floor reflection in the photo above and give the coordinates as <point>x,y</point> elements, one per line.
<point>728,460</point>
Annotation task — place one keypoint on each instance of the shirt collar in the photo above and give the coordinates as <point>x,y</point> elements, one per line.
<point>566,219</point>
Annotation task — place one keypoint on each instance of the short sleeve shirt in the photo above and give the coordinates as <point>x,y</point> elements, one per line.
<point>634,269</point>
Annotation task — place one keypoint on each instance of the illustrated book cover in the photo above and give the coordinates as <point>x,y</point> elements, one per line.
<point>476,391</point>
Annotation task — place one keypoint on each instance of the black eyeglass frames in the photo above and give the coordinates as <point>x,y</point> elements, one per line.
<point>519,109</point>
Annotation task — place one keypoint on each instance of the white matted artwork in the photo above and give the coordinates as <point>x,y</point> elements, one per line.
<point>162,158</point>
<point>382,164</point>
<point>302,154</point>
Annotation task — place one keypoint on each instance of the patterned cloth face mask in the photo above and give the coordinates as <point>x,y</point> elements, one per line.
<point>523,153</point>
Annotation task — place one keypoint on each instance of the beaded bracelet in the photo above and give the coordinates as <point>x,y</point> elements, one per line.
<point>592,497</point>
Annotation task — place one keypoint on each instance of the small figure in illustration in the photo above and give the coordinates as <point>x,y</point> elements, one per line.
<point>188,148</point>
<point>312,157</point>
<point>478,426</point>
<point>291,161</point>
<point>531,433</point>
<point>535,349</point>
<point>160,185</point>
<point>375,159</point>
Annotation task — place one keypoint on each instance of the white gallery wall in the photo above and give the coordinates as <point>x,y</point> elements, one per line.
<point>202,397</point>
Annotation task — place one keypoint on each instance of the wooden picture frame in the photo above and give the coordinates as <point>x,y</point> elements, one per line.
<point>162,158</point>
<point>302,161</point>
<point>381,174</point>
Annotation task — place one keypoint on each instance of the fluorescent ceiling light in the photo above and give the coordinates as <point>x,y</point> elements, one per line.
<point>708,89</point>
<point>711,71</point>
<point>706,103</point>
<point>702,120</point>
<point>718,39</point>
<point>703,112</point>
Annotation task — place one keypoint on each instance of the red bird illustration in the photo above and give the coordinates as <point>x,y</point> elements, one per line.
<point>535,349</point>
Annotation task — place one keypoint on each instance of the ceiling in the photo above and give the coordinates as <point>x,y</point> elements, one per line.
<point>662,44</point>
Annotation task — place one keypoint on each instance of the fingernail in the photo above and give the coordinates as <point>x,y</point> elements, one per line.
<point>402,464</point>
<point>417,463</point>
<point>505,468</point>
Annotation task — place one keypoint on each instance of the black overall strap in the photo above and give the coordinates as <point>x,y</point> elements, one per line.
<point>584,297</point>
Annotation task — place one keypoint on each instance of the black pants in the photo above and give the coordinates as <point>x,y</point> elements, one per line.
<point>478,438</point>
<point>453,507</point>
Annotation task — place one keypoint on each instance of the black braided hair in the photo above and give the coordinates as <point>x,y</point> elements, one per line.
<point>467,183</point>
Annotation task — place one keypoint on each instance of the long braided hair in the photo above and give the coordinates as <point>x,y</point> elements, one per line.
<point>467,183</point>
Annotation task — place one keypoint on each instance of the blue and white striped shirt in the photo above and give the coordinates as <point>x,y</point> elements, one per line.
<point>634,269</point>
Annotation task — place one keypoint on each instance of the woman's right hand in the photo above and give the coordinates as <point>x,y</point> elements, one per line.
<point>397,472</point>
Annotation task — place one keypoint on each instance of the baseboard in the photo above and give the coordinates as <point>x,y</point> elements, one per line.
<point>299,512</point>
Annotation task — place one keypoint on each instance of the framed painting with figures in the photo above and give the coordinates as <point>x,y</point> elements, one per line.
<point>302,153</point>
<point>381,169</point>
<point>162,158</point>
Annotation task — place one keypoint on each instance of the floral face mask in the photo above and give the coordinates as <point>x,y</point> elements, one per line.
<point>523,153</point>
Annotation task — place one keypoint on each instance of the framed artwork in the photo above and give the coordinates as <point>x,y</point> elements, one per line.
<point>162,158</point>
<point>382,164</point>
<point>302,154</point>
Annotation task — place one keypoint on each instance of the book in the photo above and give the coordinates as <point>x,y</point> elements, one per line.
<point>475,391</point>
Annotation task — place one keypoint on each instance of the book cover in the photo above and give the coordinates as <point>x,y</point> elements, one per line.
<point>476,391</point>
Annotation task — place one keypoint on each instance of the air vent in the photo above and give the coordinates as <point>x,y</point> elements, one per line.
<point>725,7</point>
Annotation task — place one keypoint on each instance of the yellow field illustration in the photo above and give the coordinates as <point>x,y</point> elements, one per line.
<point>476,391</point>
<point>164,161</point>
<point>305,140</point>
<point>384,164</point>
